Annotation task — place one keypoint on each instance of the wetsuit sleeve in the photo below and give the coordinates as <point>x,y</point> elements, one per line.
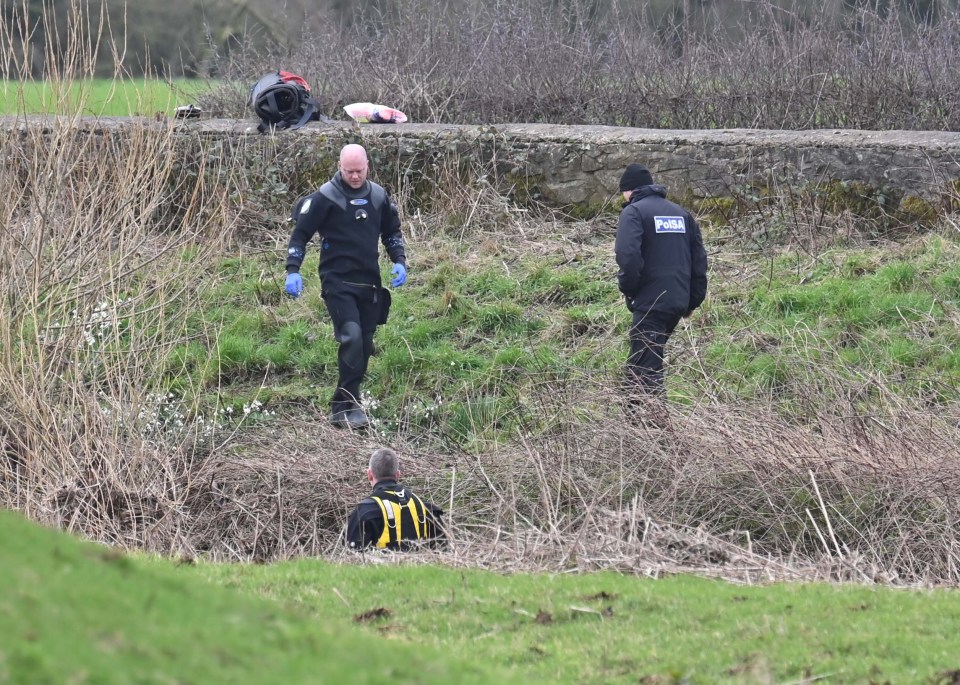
<point>361,527</point>
<point>354,530</point>
<point>308,214</point>
<point>390,234</point>
<point>628,251</point>
<point>698,267</point>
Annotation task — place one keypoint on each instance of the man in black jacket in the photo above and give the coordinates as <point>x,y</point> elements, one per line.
<point>663,273</point>
<point>393,517</point>
<point>351,214</point>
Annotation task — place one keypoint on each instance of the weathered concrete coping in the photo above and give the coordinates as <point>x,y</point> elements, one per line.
<point>582,164</point>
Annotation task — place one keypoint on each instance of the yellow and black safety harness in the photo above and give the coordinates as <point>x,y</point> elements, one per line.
<point>400,520</point>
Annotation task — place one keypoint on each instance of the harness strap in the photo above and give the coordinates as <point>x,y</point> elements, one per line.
<point>416,519</point>
<point>392,513</point>
<point>313,112</point>
<point>308,111</point>
<point>397,515</point>
<point>419,520</point>
<point>387,514</point>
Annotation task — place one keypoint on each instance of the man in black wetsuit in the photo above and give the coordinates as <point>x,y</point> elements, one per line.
<point>351,215</point>
<point>393,517</point>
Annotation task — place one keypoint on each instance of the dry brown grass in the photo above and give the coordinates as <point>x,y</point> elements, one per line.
<point>102,252</point>
<point>728,491</point>
<point>733,490</point>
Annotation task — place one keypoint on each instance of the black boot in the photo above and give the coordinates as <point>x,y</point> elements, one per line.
<point>357,418</point>
<point>348,415</point>
<point>339,411</point>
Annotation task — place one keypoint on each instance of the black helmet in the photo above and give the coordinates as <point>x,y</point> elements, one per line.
<point>282,100</point>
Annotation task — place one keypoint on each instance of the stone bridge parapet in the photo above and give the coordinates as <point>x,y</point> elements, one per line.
<point>580,165</point>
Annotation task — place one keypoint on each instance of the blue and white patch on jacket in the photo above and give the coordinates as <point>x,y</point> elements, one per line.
<point>669,224</point>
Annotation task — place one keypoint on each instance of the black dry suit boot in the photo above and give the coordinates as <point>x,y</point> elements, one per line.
<point>357,418</point>
<point>348,414</point>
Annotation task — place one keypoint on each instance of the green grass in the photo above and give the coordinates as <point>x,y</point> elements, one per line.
<point>98,97</point>
<point>73,612</point>
<point>78,612</point>
<point>482,333</point>
<point>454,330</point>
<point>609,628</point>
<point>477,332</point>
<point>868,313</point>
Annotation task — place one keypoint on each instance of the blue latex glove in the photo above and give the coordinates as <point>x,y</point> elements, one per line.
<point>294,285</point>
<point>400,273</point>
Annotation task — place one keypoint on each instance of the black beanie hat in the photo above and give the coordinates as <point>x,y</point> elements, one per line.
<point>634,176</point>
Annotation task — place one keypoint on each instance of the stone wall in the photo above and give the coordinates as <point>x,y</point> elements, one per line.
<point>580,165</point>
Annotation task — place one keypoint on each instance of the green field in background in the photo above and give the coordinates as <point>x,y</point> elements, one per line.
<point>98,97</point>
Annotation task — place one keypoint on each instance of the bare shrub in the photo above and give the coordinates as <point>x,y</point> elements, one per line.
<point>619,63</point>
<point>852,491</point>
<point>106,239</point>
<point>94,285</point>
<point>101,236</point>
<point>727,490</point>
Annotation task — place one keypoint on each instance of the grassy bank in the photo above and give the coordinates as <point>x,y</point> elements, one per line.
<point>161,391</point>
<point>476,329</point>
<point>609,628</point>
<point>74,611</point>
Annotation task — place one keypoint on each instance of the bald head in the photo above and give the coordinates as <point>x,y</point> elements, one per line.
<point>353,165</point>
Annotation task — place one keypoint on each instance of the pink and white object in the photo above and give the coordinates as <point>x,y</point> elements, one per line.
<point>369,113</point>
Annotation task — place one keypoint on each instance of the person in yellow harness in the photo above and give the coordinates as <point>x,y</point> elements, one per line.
<point>392,517</point>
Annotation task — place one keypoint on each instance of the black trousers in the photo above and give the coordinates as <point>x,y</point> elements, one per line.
<point>355,311</point>
<point>648,336</point>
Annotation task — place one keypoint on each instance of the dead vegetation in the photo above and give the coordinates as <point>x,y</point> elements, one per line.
<point>649,64</point>
<point>731,492</point>
<point>105,246</point>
